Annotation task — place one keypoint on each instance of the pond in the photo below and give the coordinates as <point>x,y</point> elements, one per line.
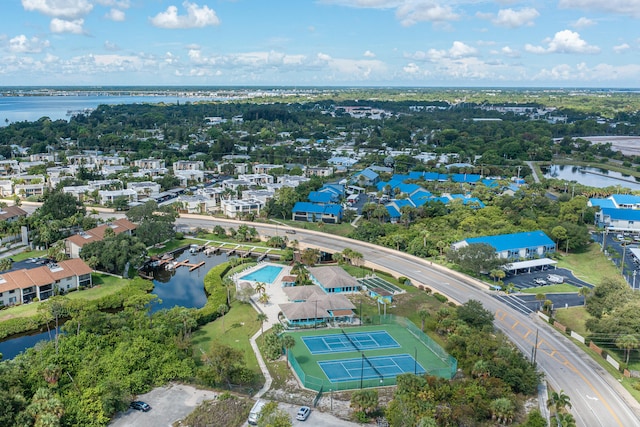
<point>178,287</point>
<point>591,176</point>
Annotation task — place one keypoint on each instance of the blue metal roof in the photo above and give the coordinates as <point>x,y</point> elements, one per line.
<point>603,203</point>
<point>367,173</point>
<point>400,203</point>
<point>420,197</point>
<point>622,214</point>
<point>408,188</point>
<point>337,189</point>
<point>321,196</point>
<point>465,177</point>
<point>393,212</point>
<point>319,209</point>
<point>626,199</point>
<point>489,182</point>
<point>514,241</point>
<point>380,186</point>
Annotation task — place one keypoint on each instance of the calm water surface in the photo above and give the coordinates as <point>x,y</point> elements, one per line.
<point>179,287</point>
<point>593,177</point>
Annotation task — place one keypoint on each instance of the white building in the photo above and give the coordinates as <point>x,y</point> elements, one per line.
<point>197,204</point>
<point>109,196</point>
<point>144,188</point>
<point>188,165</point>
<point>239,208</point>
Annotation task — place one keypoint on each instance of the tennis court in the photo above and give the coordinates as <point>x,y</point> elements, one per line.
<point>343,342</point>
<point>366,356</point>
<point>376,282</point>
<point>367,368</point>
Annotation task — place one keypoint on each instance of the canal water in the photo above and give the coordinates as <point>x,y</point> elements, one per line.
<point>591,176</point>
<point>178,287</point>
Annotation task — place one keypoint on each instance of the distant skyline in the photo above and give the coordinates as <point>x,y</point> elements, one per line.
<point>431,43</point>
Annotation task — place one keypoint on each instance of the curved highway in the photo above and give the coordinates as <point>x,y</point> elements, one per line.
<point>597,398</point>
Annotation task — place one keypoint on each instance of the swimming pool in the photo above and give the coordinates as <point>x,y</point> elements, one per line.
<point>266,274</point>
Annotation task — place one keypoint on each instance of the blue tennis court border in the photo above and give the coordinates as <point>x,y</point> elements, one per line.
<point>359,368</point>
<point>358,341</point>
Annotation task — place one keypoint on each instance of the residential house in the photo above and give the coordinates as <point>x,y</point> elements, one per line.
<point>74,244</point>
<point>196,204</point>
<point>188,165</point>
<point>319,171</point>
<point>265,168</point>
<point>149,163</point>
<point>12,213</point>
<point>25,285</point>
<point>366,178</point>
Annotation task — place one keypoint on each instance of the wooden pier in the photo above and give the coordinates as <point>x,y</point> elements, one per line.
<point>191,266</point>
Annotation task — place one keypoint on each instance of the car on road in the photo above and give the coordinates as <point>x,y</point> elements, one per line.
<point>139,405</point>
<point>303,413</point>
<point>290,231</point>
<point>539,281</point>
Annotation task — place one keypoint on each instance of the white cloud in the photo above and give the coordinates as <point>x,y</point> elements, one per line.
<point>410,13</point>
<point>64,26</point>
<point>510,18</point>
<point>598,74</point>
<point>196,17</point>
<point>115,15</point>
<point>369,54</point>
<point>22,44</point>
<point>119,4</point>
<point>411,68</point>
<point>583,23</point>
<point>624,7</point>
<point>65,9</point>
<point>108,45</point>
<point>457,50</point>
<point>507,51</point>
<point>621,48</point>
<point>565,41</point>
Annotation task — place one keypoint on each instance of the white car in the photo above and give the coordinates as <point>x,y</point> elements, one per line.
<point>303,413</point>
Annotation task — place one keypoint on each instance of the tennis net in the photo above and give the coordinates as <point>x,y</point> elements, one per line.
<point>350,340</point>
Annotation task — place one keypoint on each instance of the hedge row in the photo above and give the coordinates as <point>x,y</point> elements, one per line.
<point>37,322</point>
<point>216,293</point>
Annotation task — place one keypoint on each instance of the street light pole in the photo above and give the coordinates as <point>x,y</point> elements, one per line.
<point>361,371</point>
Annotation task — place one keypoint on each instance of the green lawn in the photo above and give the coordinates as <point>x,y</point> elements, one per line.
<point>103,285</point>
<point>28,254</point>
<point>171,246</point>
<point>574,318</point>
<point>240,324</point>
<point>548,289</point>
<point>591,265</point>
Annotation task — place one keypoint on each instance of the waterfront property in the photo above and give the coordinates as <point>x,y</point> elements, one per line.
<point>23,286</point>
<point>74,244</point>
<point>618,212</point>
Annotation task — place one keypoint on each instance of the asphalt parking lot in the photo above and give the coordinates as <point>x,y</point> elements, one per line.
<point>175,401</point>
<point>169,404</point>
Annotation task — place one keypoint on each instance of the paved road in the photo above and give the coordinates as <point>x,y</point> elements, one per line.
<point>597,398</point>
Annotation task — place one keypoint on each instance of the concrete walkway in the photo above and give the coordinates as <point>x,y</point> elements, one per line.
<point>271,309</point>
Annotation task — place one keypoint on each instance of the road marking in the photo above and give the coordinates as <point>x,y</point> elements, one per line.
<point>591,398</point>
<point>559,357</point>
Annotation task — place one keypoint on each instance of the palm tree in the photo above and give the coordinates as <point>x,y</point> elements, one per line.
<point>288,342</point>
<point>502,410</point>
<point>584,292</point>
<point>540,297</point>
<point>261,287</point>
<point>262,318</point>
<point>627,343</point>
<point>559,401</point>
<point>424,315</point>
<point>566,420</point>
<point>228,283</point>
<point>222,310</point>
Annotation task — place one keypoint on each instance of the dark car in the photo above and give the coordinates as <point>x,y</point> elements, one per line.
<point>139,405</point>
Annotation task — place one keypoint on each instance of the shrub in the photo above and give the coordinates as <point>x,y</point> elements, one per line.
<point>440,297</point>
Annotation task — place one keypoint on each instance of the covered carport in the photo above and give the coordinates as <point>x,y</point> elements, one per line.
<point>527,266</point>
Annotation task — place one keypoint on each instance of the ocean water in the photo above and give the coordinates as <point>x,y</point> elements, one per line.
<point>32,108</point>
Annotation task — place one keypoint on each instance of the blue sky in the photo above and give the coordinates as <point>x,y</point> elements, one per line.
<point>561,43</point>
